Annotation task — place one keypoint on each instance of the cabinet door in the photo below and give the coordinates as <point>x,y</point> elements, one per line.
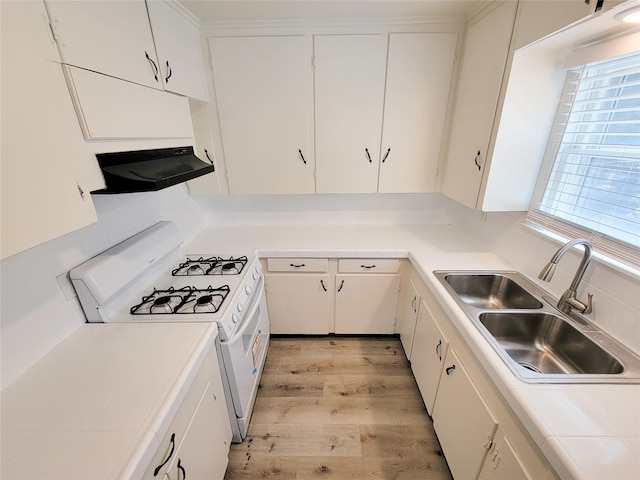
<point>502,463</point>
<point>427,358</point>
<point>366,304</point>
<point>261,91</point>
<point>47,170</point>
<point>485,55</point>
<point>177,42</point>
<point>407,316</point>
<point>299,304</point>
<point>463,423</point>
<point>113,38</point>
<point>109,108</point>
<point>349,90</point>
<point>419,70</point>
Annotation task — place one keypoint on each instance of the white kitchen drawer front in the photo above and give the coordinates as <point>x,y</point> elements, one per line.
<point>372,265</point>
<point>298,264</point>
<point>174,435</point>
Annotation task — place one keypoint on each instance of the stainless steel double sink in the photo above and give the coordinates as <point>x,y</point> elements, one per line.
<point>538,342</point>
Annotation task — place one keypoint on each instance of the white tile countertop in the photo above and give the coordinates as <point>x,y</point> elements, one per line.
<point>586,431</point>
<point>98,404</point>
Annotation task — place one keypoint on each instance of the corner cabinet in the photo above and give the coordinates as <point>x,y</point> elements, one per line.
<point>47,170</point>
<point>262,94</point>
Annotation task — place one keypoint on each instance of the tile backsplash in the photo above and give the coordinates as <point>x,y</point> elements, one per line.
<point>39,307</point>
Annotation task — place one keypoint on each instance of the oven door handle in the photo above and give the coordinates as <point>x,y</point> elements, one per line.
<point>247,318</point>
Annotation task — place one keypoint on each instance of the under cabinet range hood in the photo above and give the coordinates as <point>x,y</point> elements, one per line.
<point>149,170</point>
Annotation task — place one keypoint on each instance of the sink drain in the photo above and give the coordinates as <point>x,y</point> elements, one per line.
<point>528,366</point>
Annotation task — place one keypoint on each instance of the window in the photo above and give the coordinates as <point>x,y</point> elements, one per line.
<point>590,179</point>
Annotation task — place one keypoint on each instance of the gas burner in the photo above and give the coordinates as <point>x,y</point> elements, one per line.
<point>207,300</point>
<point>210,266</point>
<point>162,301</point>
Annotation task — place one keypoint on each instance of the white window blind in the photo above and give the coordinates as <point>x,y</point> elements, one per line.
<point>590,180</point>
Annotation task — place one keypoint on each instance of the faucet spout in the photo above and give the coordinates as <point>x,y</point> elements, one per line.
<point>568,300</point>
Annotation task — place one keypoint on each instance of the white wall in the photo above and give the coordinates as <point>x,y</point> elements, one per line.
<point>38,306</point>
<point>616,299</point>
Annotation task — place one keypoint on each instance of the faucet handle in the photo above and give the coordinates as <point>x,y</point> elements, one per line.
<point>589,306</point>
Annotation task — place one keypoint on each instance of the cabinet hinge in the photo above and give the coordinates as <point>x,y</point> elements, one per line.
<point>315,174</point>
<point>313,62</point>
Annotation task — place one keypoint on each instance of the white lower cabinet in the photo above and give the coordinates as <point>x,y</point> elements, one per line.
<point>463,422</point>
<point>299,303</point>
<point>366,303</point>
<point>502,462</point>
<point>408,306</point>
<point>427,358</point>
<point>196,445</point>
<point>308,296</point>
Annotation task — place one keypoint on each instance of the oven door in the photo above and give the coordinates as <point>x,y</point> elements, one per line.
<point>244,354</point>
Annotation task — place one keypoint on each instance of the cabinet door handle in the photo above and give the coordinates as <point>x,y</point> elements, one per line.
<point>209,158</point>
<point>413,304</point>
<point>297,266</point>
<point>173,446</point>
<point>475,160</point>
<point>367,266</point>
<point>438,350</point>
<point>302,156</point>
<point>155,67</point>
<point>341,285</point>
<point>386,155</point>
<point>181,469</point>
<point>169,72</point>
<point>368,156</point>
<point>449,369</point>
<point>323,287</point>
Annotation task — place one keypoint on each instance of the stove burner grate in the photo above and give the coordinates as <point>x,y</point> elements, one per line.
<point>210,266</point>
<point>186,300</point>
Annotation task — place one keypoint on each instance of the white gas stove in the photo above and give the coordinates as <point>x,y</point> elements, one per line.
<point>147,278</point>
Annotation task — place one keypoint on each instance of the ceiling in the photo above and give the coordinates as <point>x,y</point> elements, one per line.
<point>213,11</point>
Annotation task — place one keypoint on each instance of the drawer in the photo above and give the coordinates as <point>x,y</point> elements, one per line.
<point>298,264</point>
<point>363,265</point>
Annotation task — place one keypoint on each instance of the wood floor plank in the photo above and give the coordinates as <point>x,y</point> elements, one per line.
<point>338,408</point>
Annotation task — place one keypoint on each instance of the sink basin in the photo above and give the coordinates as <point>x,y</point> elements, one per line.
<point>491,291</point>
<point>545,343</point>
<point>537,342</point>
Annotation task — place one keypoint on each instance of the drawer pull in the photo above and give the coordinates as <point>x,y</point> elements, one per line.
<point>181,469</point>
<point>367,266</point>
<point>449,369</point>
<point>438,351</point>
<point>297,266</point>
<point>173,446</point>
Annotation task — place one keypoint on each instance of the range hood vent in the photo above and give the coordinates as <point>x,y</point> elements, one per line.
<point>149,170</point>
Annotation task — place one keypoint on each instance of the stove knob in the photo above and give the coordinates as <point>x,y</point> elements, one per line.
<point>235,317</point>
<point>248,290</point>
<point>240,307</point>
<point>256,275</point>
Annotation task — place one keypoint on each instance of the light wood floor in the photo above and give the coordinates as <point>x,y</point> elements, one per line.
<point>339,408</point>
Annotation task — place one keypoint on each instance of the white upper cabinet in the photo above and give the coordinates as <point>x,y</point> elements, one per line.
<point>117,39</point>
<point>261,88</point>
<point>47,170</point>
<point>349,91</point>
<point>485,56</point>
<point>113,38</point>
<point>419,70</point>
<point>177,42</point>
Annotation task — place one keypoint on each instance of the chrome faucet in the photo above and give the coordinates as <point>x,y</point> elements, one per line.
<point>568,300</point>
